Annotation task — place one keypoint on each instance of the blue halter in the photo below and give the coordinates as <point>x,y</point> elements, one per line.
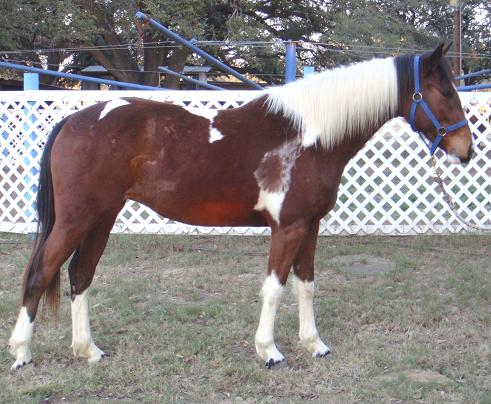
<point>418,100</point>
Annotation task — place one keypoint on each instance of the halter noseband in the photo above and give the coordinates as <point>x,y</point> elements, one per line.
<point>418,100</point>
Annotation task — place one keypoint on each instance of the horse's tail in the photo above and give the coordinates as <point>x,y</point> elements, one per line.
<point>46,218</point>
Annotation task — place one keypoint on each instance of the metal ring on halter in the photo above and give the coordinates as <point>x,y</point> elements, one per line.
<point>417,97</point>
<point>442,131</point>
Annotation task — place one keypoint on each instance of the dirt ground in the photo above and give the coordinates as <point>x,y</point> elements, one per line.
<point>408,320</point>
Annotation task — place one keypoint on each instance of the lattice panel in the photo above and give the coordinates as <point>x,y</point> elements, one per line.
<point>386,189</point>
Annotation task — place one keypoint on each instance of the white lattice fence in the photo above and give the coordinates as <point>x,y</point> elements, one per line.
<point>387,188</point>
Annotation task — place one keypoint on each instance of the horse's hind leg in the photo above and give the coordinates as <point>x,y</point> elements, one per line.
<point>303,283</point>
<point>58,247</point>
<point>81,271</point>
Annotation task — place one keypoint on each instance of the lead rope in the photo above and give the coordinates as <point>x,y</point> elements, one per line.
<point>448,199</point>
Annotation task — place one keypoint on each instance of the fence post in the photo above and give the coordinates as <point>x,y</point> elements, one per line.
<point>31,81</point>
<point>291,62</point>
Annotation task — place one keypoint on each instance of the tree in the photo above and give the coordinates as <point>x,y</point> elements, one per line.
<point>395,26</point>
<point>34,27</point>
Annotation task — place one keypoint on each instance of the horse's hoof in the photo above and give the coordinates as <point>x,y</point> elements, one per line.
<point>19,365</point>
<point>276,364</point>
<point>323,354</point>
<point>97,358</point>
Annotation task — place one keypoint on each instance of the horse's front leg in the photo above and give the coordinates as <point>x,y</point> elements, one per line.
<point>303,285</point>
<point>285,242</point>
<point>20,341</point>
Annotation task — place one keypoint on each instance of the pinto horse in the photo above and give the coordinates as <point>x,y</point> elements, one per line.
<point>276,161</point>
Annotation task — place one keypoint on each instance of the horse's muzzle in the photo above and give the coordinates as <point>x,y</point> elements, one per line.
<point>470,152</point>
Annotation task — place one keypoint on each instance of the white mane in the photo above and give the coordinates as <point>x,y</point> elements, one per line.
<point>333,104</point>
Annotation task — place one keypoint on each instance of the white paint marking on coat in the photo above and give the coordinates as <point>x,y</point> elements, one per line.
<point>20,341</point>
<point>275,170</point>
<point>82,344</point>
<point>271,202</point>
<point>308,334</point>
<point>112,105</point>
<point>214,135</point>
<point>264,340</point>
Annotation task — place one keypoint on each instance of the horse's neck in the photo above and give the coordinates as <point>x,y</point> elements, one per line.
<point>351,145</point>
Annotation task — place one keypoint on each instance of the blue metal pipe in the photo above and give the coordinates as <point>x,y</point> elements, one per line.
<point>195,49</point>
<point>474,74</point>
<point>78,77</point>
<point>291,62</point>
<point>191,80</point>
<point>474,87</point>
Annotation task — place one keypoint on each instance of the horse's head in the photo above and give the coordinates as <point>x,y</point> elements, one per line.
<point>432,106</point>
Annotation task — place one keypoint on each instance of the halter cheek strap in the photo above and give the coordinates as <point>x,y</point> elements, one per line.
<point>419,101</point>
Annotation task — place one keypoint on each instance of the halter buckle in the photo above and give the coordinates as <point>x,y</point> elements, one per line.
<point>417,97</point>
<point>442,131</point>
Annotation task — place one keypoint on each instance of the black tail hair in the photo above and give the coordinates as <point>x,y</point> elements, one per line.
<point>46,219</point>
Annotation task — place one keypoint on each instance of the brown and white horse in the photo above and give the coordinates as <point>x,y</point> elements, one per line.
<point>276,161</point>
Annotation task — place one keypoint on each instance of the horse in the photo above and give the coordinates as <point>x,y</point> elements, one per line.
<point>276,161</point>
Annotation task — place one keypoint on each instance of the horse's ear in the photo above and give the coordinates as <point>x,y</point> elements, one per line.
<point>446,49</point>
<point>431,60</point>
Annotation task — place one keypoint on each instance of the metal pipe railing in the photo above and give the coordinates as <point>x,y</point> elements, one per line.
<point>79,77</point>
<point>142,16</point>
<point>474,74</point>
<point>189,79</point>
<point>475,87</point>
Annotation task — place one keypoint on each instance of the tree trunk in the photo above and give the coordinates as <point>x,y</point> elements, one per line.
<point>176,62</point>
<point>119,63</point>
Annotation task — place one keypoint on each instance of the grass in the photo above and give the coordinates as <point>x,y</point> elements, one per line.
<point>177,314</point>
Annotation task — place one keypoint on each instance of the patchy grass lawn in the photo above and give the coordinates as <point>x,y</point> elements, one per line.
<point>177,314</point>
